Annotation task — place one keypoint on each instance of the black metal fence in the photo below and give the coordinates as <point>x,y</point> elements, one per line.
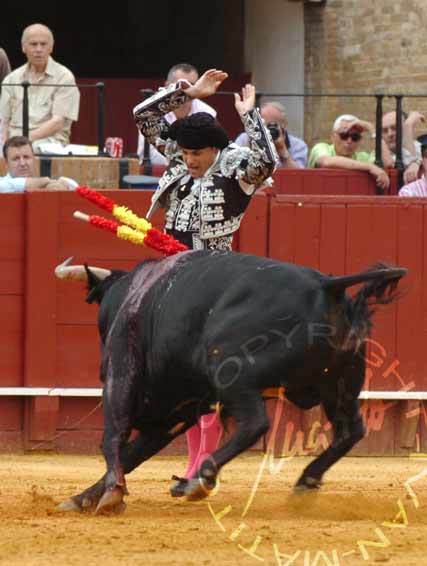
<point>99,86</point>
<point>379,99</point>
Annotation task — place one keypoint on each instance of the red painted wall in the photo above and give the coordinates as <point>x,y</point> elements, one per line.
<point>49,338</point>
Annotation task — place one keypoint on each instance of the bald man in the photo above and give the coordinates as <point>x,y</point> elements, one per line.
<point>51,109</point>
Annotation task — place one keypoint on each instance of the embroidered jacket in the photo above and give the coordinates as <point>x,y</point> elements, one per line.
<point>213,207</point>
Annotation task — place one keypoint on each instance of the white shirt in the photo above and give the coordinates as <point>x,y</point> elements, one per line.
<point>10,184</point>
<point>155,156</point>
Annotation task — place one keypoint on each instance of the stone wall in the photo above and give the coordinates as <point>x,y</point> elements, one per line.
<point>363,46</point>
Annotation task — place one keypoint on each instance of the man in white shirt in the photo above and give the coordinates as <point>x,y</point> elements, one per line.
<point>21,164</point>
<point>411,148</point>
<point>178,71</point>
<point>51,109</point>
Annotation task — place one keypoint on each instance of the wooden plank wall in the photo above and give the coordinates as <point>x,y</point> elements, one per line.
<point>49,336</point>
<point>12,285</point>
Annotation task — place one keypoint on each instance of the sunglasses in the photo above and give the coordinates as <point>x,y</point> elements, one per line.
<point>355,136</point>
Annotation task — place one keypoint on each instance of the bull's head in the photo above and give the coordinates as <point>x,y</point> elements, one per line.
<point>98,280</point>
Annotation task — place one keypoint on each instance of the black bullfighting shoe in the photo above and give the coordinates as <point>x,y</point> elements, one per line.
<point>178,489</point>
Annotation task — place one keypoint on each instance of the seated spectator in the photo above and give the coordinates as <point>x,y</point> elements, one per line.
<point>21,165</point>
<point>342,153</point>
<point>418,188</point>
<point>411,148</point>
<point>51,109</point>
<point>178,71</point>
<point>291,150</point>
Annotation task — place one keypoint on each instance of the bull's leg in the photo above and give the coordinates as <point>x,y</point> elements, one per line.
<point>132,454</point>
<point>347,424</point>
<point>252,423</point>
<point>118,404</point>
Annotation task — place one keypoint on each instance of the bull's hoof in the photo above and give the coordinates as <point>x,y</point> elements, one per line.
<point>111,502</point>
<point>307,484</point>
<point>70,504</point>
<point>198,489</point>
<point>178,488</point>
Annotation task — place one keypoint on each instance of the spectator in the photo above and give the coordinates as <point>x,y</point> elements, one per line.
<point>411,148</point>
<point>205,190</point>
<point>4,70</point>
<point>291,150</point>
<point>51,109</point>
<point>175,73</point>
<point>418,188</point>
<point>21,165</point>
<point>342,153</point>
<point>4,65</point>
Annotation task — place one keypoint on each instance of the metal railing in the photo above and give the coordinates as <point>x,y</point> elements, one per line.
<point>379,99</point>
<point>100,106</point>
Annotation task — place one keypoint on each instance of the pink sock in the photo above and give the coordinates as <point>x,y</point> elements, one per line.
<point>211,431</point>
<point>193,435</point>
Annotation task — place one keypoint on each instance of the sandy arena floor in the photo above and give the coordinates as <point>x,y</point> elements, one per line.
<point>364,514</point>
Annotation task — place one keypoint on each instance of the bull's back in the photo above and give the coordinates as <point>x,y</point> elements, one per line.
<point>256,311</point>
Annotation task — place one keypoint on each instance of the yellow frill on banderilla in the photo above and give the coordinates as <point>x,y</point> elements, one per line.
<point>134,236</point>
<point>129,218</point>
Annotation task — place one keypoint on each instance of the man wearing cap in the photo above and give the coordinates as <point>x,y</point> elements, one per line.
<point>205,191</point>
<point>343,153</point>
<point>209,182</point>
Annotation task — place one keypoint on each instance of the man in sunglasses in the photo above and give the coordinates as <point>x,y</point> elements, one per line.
<point>343,153</point>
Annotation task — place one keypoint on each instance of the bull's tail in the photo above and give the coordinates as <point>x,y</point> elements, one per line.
<point>379,288</point>
<point>377,274</point>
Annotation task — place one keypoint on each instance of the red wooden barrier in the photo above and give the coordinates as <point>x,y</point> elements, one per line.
<point>327,182</point>
<point>12,231</point>
<point>347,234</point>
<point>48,333</point>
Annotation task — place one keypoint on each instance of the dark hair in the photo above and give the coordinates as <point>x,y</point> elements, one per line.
<point>198,131</point>
<point>185,67</point>
<point>16,141</point>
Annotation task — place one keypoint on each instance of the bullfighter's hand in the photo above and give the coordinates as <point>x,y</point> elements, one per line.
<point>246,102</point>
<point>207,84</point>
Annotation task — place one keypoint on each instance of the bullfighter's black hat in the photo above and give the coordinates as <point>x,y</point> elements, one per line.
<point>198,131</point>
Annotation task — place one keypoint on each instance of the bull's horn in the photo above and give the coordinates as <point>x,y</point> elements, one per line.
<point>78,272</point>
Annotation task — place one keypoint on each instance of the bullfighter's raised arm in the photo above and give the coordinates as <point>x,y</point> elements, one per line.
<point>150,114</point>
<point>251,165</point>
<point>255,164</point>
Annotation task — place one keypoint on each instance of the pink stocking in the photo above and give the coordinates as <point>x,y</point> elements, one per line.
<point>211,431</point>
<point>193,435</point>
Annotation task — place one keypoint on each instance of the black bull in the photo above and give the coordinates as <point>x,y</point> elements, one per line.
<point>181,334</point>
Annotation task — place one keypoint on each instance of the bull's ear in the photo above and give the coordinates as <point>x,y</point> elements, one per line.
<point>92,279</point>
<point>92,284</point>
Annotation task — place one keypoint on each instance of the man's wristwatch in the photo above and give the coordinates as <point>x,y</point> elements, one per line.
<point>416,160</point>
